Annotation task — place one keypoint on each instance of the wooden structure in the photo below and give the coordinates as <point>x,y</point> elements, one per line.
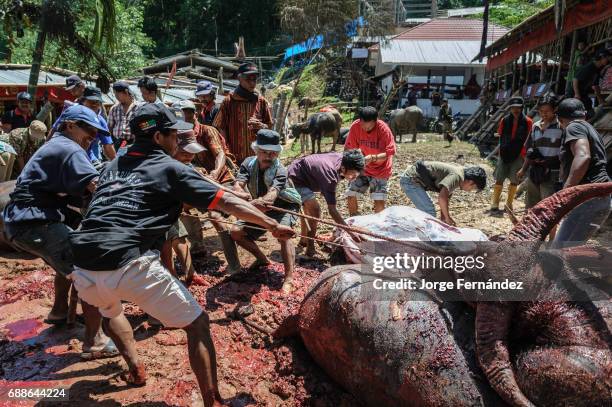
<point>536,56</point>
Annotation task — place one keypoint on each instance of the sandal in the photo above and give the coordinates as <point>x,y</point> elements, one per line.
<point>108,351</point>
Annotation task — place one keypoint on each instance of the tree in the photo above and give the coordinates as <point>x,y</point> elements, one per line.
<point>510,13</point>
<point>179,26</point>
<point>61,22</point>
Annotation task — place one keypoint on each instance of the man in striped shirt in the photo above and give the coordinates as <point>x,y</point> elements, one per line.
<point>121,113</point>
<point>543,145</point>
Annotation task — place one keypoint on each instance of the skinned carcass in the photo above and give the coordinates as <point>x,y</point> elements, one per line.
<point>416,348</point>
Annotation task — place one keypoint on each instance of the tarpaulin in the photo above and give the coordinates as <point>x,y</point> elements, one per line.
<point>580,16</point>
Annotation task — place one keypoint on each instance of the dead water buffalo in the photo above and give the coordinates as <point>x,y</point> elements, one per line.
<point>317,126</point>
<point>410,348</point>
<point>405,121</point>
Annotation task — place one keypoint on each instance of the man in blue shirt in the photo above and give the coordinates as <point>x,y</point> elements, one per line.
<point>58,174</point>
<point>92,98</point>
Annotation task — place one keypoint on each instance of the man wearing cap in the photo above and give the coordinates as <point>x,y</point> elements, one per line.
<point>243,113</point>
<point>187,149</point>
<point>214,162</point>
<point>206,94</point>
<point>148,90</point>
<point>268,184</point>
<point>76,87</point>
<point>19,117</point>
<point>92,98</point>
<point>583,161</point>
<point>138,198</point>
<point>58,174</point>
<point>120,114</point>
<point>587,80</point>
<point>25,142</point>
<point>513,131</point>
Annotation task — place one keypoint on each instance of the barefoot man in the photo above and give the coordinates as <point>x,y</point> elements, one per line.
<point>268,184</point>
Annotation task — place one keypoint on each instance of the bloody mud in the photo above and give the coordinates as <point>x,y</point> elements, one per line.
<point>253,368</point>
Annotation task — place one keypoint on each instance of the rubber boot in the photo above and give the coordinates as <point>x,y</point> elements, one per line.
<point>511,194</point>
<point>231,252</point>
<point>497,191</point>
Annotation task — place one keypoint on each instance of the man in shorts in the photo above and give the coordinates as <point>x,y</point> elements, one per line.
<point>139,196</point>
<point>512,132</point>
<point>268,184</point>
<point>321,173</point>
<point>375,140</point>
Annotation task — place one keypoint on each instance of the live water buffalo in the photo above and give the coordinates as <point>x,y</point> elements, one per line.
<point>405,120</point>
<point>413,348</point>
<point>317,126</point>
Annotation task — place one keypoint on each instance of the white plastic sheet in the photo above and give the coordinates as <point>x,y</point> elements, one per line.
<point>402,223</point>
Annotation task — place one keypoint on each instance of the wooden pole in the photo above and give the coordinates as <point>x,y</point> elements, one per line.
<point>560,67</point>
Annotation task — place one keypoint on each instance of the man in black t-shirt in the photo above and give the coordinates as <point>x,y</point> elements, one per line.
<point>583,161</point>
<point>586,80</point>
<point>139,197</point>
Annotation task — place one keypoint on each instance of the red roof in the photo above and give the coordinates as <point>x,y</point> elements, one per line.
<point>452,29</point>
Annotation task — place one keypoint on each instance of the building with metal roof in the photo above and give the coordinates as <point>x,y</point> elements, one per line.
<point>436,54</point>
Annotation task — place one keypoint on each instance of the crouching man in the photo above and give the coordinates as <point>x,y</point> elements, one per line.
<point>139,196</point>
<point>442,178</point>
<point>268,184</point>
<point>321,173</point>
<point>57,175</point>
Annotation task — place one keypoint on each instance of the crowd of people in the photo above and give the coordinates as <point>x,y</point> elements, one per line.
<point>106,200</point>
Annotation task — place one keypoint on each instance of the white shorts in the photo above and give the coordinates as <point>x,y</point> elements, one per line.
<point>144,282</point>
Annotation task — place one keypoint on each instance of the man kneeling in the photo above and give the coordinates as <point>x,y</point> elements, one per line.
<point>442,178</point>
<point>268,184</point>
<point>139,196</point>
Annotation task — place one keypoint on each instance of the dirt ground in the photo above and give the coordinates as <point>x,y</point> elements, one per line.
<point>254,369</point>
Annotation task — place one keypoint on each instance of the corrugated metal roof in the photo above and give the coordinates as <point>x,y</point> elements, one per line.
<point>452,29</point>
<point>430,53</point>
<point>22,76</point>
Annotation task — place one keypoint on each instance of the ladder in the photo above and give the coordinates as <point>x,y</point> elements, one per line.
<point>467,125</point>
<point>493,121</point>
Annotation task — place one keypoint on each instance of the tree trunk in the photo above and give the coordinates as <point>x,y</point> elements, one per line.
<point>37,57</point>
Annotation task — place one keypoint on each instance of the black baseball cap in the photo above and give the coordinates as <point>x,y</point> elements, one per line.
<point>152,117</point>
<point>92,93</point>
<point>72,81</point>
<point>516,102</point>
<point>603,53</point>
<point>148,83</point>
<point>571,108</point>
<point>24,96</point>
<point>121,86</point>
<point>247,68</point>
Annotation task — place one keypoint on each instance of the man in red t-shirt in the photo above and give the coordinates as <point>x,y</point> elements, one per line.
<point>375,140</point>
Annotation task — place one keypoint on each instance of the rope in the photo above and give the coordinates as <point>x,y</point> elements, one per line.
<point>298,235</point>
<point>345,227</point>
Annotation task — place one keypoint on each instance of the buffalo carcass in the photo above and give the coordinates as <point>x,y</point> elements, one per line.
<point>410,348</point>
<point>405,121</point>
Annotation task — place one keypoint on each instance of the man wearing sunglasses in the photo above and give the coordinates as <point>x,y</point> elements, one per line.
<point>243,113</point>
<point>59,174</point>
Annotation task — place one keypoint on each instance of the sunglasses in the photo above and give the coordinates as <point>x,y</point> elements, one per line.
<point>251,77</point>
<point>87,128</point>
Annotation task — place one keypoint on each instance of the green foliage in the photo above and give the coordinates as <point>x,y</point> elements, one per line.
<point>177,26</point>
<point>312,84</point>
<point>510,13</point>
<point>124,55</point>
